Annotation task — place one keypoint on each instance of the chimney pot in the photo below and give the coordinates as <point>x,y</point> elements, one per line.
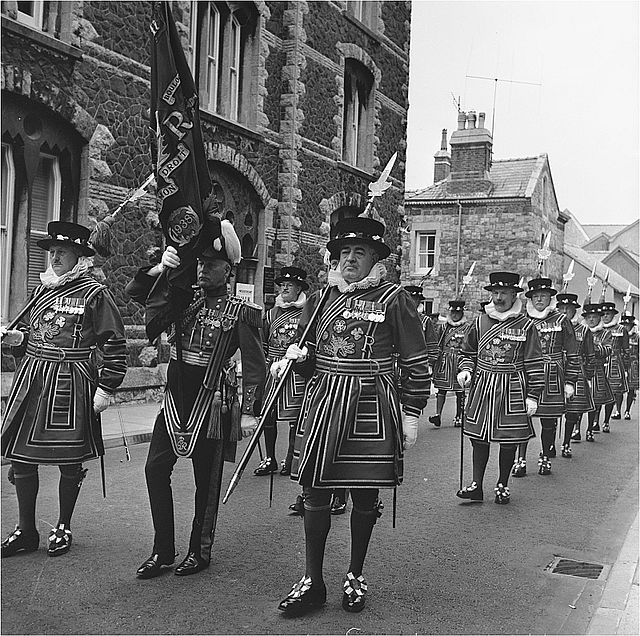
<point>481,117</point>
<point>471,119</point>
<point>462,120</point>
<point>443,143</point>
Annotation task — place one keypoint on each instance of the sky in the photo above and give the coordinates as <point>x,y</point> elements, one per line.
<point>580,105</point>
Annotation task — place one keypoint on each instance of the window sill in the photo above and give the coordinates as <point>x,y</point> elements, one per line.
<point>41,38</point>
<point>233,126</point>
<point>359,172</point>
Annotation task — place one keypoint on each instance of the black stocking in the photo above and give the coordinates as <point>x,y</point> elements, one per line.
<point>631,396</point>
<point>480,459</point>
<point>506,459</point>
<point>608,409</point>
<point>440,399</point>
<point>68,490</point>
<point>27,484</point>
<point>316,529</point>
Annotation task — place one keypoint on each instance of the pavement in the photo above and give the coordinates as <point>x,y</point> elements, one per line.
<point>616,613</point>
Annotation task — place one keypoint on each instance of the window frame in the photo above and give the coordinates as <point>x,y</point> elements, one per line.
<point>357,125</point>
<point>54,213</point>
<point>35,20</point>
<point>212,62</point>
<point>416,231</point>
<point>8,190</point>
<point>235,67</point>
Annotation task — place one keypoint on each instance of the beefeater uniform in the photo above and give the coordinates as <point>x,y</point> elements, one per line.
<point>49,416</point>
<point>617,340</point>
<point>445,368</point>
<point>200,414</point>
<point>505,360</point>
<point>280,330</point>
<point>632,371</point>
<point>502,353</point>
<point>349,434</point>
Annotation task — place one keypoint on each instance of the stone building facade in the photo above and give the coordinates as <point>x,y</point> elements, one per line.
<point>302,104</point>
<point>497,213</point>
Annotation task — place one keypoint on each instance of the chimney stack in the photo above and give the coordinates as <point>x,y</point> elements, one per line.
<point>471,149</point>
<point>442,165</point>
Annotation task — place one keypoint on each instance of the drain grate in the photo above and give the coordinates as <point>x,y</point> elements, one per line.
<point>569,567</point>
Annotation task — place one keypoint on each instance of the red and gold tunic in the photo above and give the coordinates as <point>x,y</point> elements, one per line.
<point>616,339</point>
<point>601,389</point>
<point>505,360</point>
<point>445,369</point>
<point>561,361</point>
<point>349,433</point>
<point>582,400</point>
<point>280,330</point>
<point>49,417</point>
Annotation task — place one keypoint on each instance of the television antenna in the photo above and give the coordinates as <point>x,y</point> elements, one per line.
<point>495,81</point>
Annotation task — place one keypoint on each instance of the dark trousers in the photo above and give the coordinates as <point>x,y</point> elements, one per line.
<point>207,471</point>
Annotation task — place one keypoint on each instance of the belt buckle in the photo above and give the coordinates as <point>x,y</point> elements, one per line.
<point>62,354</point>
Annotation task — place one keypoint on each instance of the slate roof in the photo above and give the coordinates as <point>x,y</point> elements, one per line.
<point>510,178</point>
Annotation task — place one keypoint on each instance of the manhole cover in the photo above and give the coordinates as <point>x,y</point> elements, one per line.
<point>570,567</point>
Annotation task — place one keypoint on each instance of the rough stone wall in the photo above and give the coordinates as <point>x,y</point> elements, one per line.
<point>498,236</point>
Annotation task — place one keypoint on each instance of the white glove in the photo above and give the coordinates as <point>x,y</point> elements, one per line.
<point>532,406</point>
<point>409,430</point>
<point>248,424</point>
<point>464,378</point>
<point>295,353</point>
<point>101,400</point>
<point>277,368</point>
<point>170,258</point>
<point>11,337</point>
<point>569,391</point>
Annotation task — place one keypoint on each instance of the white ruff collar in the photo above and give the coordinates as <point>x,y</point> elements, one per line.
<point>492,312</point>
<point>373,279</point>
<point>598,327</point>
<point>298,304</point>
<point>453,323</point>
<point>614,321</point>
<point>540,315</point>
<point>51,280</point>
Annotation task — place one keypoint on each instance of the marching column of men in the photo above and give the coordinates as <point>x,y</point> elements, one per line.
<point>351,401</point>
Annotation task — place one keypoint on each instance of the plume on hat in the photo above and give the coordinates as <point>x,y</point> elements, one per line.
<point>231,242</point>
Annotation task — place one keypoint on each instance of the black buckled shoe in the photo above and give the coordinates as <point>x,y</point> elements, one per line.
<point>297,508</point>
<point>267,466</point>
<point>595,428</point>
<point>566,451</point>
<point>576,437</point>
<point>435,420</point>
<point>457,421</point>
<point>606,428</point>
<point>303,598</point>
<point>616,416</point>
<point>354,592</point>
<point>19,541</point>
<point>192,564</point>
<point>152,567</point>
<point>285,468</point>
<point>544,465</point>
<point>590,437</point>
<point>473,492</point>
<point>503,496</point>
<point>59,541</point>
<point>627,416</point>
<point>520,467</point>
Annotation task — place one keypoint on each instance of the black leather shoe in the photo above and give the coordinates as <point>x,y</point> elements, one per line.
<point>267,466</point>
<point>19,541</point>
<point>338,507</point>
<point>192,564</point>
<point>303,598</point>
<point>435,420</point>
<point>152,567</point>
<point>616,416</point>
<point>473,492</point>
